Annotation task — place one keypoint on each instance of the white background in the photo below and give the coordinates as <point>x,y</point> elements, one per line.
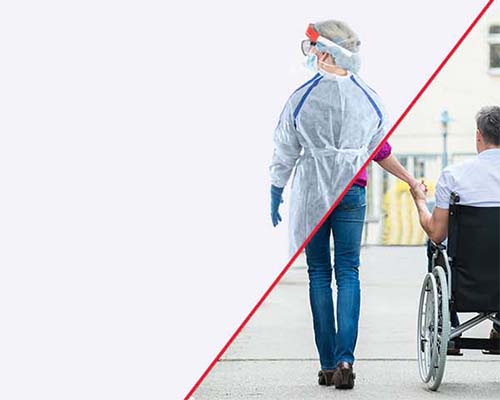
<point>134,144</point>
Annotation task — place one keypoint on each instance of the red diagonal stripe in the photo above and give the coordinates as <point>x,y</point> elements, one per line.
<point>292,260</point>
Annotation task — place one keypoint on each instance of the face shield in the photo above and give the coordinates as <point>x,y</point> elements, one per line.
<point>344,58</point>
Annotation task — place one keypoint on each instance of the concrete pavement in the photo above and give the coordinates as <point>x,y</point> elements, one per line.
<point>275,358</point>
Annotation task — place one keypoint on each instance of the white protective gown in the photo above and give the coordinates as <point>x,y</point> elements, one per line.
<point>326,131</point>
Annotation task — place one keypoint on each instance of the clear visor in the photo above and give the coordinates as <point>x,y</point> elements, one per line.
<point>328,46</point>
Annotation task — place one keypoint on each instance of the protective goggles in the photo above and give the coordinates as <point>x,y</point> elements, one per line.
<point>312,41</point>
<point>306,46</point>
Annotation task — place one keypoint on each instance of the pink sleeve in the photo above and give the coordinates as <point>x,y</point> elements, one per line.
<point>384,152</point>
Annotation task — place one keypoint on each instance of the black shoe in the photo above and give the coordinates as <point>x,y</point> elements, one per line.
<point>343,377</point>
<point>494,336</point>
<point>454,352</point>
<point>325,377</point>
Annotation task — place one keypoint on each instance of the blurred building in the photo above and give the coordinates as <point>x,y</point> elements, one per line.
<point>470,80</point>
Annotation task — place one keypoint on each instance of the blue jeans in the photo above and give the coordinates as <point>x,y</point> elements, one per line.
<point>337,343</point>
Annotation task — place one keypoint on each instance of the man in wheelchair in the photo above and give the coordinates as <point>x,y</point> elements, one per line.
<point>467,214</point>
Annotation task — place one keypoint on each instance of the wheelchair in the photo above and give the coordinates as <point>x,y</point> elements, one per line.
<point>465,277</point>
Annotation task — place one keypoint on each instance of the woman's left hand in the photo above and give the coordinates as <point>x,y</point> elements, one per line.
<point>418,190</point>
<point>419,185</point>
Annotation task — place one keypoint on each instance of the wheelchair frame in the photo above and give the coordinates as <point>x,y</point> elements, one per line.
<point>434,333</point>
<point>455,332</point>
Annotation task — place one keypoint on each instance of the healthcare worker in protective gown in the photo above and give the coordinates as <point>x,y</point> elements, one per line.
<point>327,130</point>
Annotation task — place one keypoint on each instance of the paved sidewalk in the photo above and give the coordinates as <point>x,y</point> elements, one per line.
<point>275,357</point>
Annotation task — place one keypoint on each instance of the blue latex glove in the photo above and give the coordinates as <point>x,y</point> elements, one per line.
<point>276,200</point>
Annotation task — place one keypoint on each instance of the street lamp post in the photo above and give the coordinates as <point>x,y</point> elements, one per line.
<point>445,119</point>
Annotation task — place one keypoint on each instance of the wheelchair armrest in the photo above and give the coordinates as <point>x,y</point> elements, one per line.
<point>438,246</point>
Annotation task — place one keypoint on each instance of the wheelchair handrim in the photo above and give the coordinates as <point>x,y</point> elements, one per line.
<point>425,336</point>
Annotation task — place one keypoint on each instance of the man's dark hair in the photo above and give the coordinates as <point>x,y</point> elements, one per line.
<point>488,123</point>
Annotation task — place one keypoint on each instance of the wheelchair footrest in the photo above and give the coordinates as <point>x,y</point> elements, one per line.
<point>475,343</point>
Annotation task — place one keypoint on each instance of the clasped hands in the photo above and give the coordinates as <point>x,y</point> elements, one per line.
<point>418,190</point>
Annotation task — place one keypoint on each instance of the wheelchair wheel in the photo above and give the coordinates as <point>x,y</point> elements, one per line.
<point>443,330</point>
<point>426,327</point>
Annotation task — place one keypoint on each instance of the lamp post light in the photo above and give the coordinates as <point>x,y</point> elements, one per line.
<point>445,119</point>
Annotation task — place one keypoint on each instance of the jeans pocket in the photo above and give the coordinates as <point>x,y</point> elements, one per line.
<point>353,199</point>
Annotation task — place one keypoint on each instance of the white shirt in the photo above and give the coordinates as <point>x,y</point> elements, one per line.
<point>477,181</point>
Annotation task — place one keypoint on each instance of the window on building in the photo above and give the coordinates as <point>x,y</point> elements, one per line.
<point>404,161</point>
<point>419,168</point>
<point>494,42</point>
<point>495,56</point>
<point>495,30</point>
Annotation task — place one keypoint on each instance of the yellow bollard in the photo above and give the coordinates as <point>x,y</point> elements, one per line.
<point>401,226</point>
